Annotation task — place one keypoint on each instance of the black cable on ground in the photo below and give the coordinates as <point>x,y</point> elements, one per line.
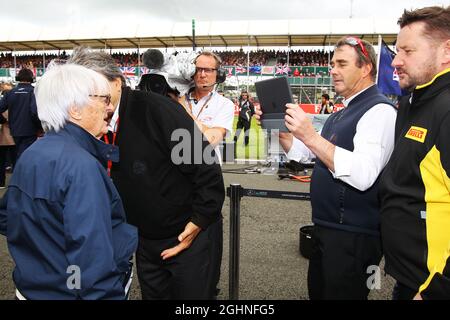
<point>244,170</point>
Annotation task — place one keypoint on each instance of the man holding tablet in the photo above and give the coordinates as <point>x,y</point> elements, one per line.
<point>351,151</point>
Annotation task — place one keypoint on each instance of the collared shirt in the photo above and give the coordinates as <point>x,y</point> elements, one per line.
<point>214,111</point>
<point>112,126</point>
<point>373,144</point>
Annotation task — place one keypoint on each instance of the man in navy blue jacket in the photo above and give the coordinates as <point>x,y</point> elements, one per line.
<point>63,217</point>
<point>23,119</point>
<point>174,202</point>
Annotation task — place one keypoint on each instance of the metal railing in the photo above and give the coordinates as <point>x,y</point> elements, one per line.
<point>236,192</point>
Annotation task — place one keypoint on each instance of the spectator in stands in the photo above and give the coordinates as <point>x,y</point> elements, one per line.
<point>352,150</point>
<point>21,103</point>
<point>246,111</point>
<point>327,106</point>
<point>174,202</point>
<point>230,58</point>
<point>62,215</point>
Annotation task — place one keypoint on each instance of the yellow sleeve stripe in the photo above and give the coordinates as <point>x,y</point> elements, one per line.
<point>437,199</point>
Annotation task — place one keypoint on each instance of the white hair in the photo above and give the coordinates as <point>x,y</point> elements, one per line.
<point>63,87</point>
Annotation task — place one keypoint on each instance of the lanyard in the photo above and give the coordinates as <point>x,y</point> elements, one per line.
<point>113,142</point>
<point>205,105</point>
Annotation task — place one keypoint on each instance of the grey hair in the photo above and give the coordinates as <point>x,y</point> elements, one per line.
<point>98,61</point>
<point>64,87</point>
<point>362,59</point>
<point>212,55</point>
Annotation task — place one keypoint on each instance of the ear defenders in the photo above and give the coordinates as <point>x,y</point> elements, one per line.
<point>221,75</point>
<point>221,72</point>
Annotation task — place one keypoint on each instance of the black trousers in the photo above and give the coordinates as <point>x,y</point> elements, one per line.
<point>338,267</point>
<point>242,124</point>
<point>193,274</point>
<point>22,143</point>
<point>402,292</point>
<point>3,158</point>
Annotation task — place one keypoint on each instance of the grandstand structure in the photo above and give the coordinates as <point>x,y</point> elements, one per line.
<point>145,34</point>
<point>307,81</point>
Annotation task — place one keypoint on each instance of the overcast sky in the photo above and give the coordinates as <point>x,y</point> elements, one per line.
<point>58,13</point>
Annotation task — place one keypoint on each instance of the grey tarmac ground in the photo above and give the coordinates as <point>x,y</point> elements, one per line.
<point>271,266</point>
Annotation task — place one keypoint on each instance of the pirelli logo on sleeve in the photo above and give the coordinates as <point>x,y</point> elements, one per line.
<point>416,134</point>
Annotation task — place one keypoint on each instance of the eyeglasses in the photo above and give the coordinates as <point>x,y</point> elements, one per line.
<point>106,98</point>
<point>205,70</point>
<point>353,41</point>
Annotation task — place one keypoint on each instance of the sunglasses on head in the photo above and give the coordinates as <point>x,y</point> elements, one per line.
<point>354,41</point>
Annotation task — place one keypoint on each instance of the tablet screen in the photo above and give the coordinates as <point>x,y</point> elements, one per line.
<point>273,95</point>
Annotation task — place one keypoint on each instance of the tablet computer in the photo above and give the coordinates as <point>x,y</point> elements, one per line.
<point>273,95</point>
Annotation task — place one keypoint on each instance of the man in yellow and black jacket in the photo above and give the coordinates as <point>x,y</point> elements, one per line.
<point>415,186</point>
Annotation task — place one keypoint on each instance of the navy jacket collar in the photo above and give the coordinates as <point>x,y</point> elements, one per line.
<point>100,150</point>
<point>24,84</point>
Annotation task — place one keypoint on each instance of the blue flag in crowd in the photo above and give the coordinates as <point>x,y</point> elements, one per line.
<point>255,69</point>
<point>388,81</point>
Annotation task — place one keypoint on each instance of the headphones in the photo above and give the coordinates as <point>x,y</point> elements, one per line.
<point>221,75</point>
<point>221,72</point>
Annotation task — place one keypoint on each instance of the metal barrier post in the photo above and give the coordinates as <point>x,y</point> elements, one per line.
<point>235,206</point>
<point>236,192</point>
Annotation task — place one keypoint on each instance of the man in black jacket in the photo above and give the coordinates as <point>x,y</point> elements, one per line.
<point>21,103</point>
<point>173,195</point>
<point>414,189</point>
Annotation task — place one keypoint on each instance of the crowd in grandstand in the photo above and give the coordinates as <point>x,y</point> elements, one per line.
<point>230,58</point>
<point>28,61</point>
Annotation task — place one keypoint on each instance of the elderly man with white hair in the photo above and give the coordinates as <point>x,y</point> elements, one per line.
<point>171,185</point>
<point>63,217</point>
